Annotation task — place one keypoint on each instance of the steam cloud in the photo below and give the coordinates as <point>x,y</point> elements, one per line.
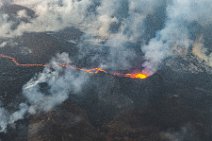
<point>201,52</point>
<point>180,16</point>
<point>117,24</point>
<point>114,23</point>
<point>60,82</point>
<point>185,133</point>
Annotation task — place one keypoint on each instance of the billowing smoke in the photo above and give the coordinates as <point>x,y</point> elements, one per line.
<point>114,24</point>
<point>58,83</point>
<point>111,27</point>
<point>3,119</point>
<point>180,16</point>
<point>201,52</point>
<point>7,117</point>
<point>48,16</point>
<point>92,17</point>
<point>117,24</point>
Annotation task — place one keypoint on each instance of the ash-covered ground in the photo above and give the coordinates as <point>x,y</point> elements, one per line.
<point>170,40</point>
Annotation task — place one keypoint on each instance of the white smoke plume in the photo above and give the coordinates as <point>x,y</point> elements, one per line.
<point>3,44</point>
<point>201,52</point>
<point>113,23</point>
<point>116,22</point>
<point>105,23</point>
<point>180,16</point>
<point>61,83</point>
<point>59,14</point>
<point>50,16</point>
<point>3,119</point>
<point>7,117</point>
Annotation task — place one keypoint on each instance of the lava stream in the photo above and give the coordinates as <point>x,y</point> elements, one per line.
<point>135,75</point>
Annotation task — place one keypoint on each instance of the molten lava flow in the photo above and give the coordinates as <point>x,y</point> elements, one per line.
<point>137,75</point>
<point>94,70</point>
<point>14,60</point>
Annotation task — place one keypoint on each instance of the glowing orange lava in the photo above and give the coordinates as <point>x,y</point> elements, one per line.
<point>93,70</point>
<point>137,75</point>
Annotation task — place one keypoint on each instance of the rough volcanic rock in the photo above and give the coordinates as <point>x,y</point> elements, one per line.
<point>65,123</point>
